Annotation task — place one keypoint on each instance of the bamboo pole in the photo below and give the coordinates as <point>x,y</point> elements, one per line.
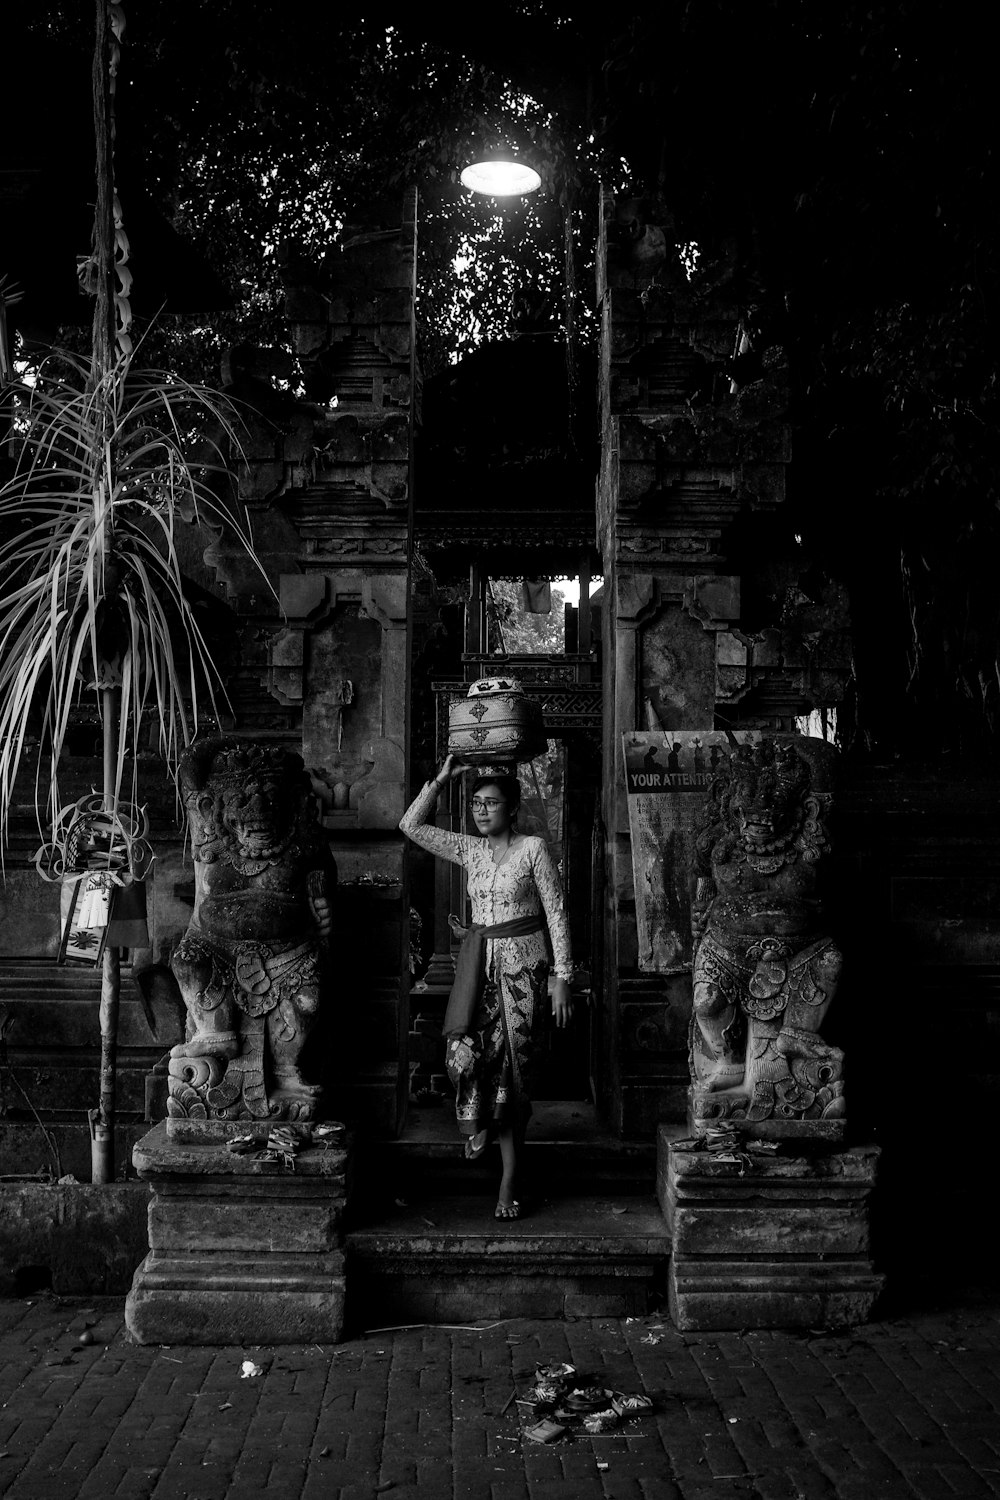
<point>102,1120</point>
<point>103,340</point>
<point>102,1139</point>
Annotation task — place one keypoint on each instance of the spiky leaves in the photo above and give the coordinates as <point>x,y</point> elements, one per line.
<point>92,594</point>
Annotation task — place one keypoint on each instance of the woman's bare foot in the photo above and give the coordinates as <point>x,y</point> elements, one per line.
<point>506,1198</point>
<point>507,1205</point>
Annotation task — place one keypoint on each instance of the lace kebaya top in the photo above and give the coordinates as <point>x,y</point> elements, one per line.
<point>525,882</point>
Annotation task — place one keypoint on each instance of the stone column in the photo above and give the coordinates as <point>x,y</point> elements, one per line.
<point>336,483</point>
<point>683,454</point>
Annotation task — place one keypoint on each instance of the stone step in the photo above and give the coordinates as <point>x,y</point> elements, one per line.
<point>53,1048</point>
<point>448,1260</point>
<point>63,1147</point>
<point>567,1153</point>
<point>552,1168</point>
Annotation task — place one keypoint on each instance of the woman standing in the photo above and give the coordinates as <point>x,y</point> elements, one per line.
<point>498,1000</point>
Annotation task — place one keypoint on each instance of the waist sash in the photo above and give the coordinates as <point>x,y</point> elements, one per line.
<point>470,967</point>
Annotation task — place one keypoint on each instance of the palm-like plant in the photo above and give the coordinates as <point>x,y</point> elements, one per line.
<point>92,595</point>
<point>91,590</point>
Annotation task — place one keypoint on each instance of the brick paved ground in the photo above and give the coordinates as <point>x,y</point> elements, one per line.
<point>907,1407</point>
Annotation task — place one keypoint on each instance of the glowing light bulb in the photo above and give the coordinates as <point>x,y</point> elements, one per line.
<point>500,179</point>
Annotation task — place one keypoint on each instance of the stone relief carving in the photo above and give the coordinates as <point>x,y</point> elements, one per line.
<point>561,530</point>
<point>765,969</point>
<point>249,966</point>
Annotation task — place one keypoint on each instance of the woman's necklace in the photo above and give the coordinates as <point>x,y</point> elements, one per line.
<point>506,850</point>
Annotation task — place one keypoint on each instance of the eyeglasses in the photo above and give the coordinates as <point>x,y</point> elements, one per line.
<point>487,804</point>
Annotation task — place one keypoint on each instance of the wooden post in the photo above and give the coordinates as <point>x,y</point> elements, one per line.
<point>584,632</point>
<point>474,641</point>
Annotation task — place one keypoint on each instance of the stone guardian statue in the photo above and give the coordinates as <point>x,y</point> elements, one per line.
<point>765,968</point>
<point>249,965</point>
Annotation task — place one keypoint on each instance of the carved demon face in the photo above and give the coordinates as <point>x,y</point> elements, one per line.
<point>766,803</point>
<point>258,815</point>
<point>244,799</point>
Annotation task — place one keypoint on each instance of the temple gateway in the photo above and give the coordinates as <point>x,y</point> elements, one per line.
<point>759,933</point>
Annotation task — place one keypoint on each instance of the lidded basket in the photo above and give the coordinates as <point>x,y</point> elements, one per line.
<point>496,721</point>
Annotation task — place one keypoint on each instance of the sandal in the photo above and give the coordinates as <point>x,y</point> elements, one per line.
<point>510,1210</point>
<point>472,1151</point>
<point>242,1145</point>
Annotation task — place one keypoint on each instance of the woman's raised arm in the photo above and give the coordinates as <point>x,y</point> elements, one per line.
<point>417,825</point>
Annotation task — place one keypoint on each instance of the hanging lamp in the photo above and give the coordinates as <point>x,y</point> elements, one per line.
<point>501,176</point>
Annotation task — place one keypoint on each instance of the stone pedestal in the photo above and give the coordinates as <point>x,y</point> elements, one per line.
<point>704,1112</point>
<point>780,1243</point>
<point>240,1253</point>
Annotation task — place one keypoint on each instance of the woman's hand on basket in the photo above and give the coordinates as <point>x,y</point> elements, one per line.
<point>562,1003</point>
<point>451,767</point>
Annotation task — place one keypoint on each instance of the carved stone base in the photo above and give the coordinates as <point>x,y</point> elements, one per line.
<point>736,1107</point>
<point>206,1132</point>
<point>782,1243</point>
<point>208,1087</point>
<point>239,1253</point>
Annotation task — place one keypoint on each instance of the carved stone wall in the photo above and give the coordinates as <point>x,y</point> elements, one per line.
<point>330,479</point>
<point>686,453</point>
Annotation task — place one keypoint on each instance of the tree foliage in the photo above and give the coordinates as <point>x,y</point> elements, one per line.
<point>253,133</point>
<point>846,150</point>
<point>520,632</point>
<point>849,151</point>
